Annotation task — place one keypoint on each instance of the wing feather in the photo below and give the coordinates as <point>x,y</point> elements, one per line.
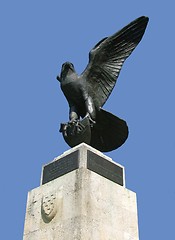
<point>107,57</point>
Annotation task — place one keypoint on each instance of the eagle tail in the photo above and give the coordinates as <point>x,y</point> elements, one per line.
<point>109,132</point>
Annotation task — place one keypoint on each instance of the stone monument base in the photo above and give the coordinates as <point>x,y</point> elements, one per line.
<point>82,197</point>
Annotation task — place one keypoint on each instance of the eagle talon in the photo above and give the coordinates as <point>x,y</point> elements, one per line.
<point>92,122</point>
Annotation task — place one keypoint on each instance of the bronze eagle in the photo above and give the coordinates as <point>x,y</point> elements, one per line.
<point>87,93</point>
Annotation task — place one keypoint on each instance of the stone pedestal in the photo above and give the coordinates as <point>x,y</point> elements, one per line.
<point>82,197</point>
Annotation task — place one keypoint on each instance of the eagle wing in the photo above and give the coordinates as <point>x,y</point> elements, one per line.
<point>107,57</point>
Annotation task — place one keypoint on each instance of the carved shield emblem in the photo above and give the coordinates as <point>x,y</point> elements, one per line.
<point>49,207</point>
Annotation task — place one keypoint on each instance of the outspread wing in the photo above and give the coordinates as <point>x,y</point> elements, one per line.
<point>107,57</point>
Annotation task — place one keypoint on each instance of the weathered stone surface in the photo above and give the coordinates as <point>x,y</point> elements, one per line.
<point>81,205</point>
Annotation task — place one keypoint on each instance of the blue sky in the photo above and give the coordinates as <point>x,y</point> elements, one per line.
<point>36,38</point>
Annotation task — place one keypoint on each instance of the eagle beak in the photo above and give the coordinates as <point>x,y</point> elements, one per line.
<point>58,78</point>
